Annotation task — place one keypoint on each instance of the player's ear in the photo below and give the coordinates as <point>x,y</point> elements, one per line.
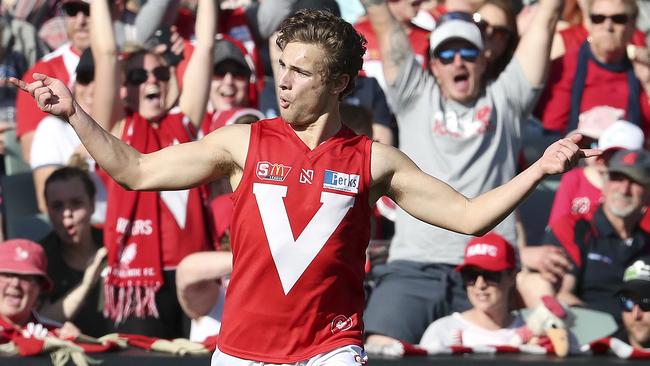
<point>340,83</point>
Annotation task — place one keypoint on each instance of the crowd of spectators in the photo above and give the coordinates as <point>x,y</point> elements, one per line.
<point>454,84</point>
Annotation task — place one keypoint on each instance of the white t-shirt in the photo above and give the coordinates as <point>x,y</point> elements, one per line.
<point>54,143</point>
<point>454,330</point>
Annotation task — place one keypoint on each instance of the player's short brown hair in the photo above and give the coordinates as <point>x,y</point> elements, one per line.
<point>342,45</point>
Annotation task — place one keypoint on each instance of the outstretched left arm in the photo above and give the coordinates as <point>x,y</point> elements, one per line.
<point>436,203</point>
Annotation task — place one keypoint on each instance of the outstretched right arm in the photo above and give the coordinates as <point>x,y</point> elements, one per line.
<point>222,152</point>
<point>394,45</point>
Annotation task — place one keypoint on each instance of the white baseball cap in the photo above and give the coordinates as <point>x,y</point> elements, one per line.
<point>621,135</point>
<point>456,29</point>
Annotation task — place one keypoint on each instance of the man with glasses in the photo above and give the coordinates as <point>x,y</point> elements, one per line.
<point>602,247</point>
<point>635,303</point>
<point>461,129</point>
<point>599,72</point>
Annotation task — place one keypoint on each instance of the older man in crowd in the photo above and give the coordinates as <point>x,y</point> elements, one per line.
<point>602,247</point>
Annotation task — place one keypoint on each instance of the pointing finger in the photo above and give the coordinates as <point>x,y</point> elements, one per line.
<point>19,83</point>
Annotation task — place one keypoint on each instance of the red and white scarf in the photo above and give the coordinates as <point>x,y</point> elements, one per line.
<point>598,347</point>
<point>132,232</point>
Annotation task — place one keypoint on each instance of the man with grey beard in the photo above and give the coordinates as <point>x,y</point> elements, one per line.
<point>603,247</point>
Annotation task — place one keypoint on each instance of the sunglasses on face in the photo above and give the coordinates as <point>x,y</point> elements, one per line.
<point>628,303</point>
<point>236,70</point>
<point>498,32</point>
<point>447,56</point>
<point>470,276</point>
<point>616,18</point>
<point>72,9</point>
<point>139,75</point>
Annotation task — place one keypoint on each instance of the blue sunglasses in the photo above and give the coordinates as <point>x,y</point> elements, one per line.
<point>447,56</point>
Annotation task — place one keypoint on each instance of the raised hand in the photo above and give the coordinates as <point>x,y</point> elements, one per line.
<point>51,95</point>
<point>563,155</point>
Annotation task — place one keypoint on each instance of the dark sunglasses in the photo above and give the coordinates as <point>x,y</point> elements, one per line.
<point>471,275</point>
<point>627,303</point>
<point>139,75</point>
<point>616,18</point>
<point>498,32</point>
<point>446,56</point>
<point>72,9</point>
<point>236,70</point>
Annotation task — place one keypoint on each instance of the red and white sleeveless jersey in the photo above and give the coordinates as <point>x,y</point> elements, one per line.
<point>299,234</point>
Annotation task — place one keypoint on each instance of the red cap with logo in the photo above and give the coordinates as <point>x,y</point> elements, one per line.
<point>22,256</point>
<point>490,252</point>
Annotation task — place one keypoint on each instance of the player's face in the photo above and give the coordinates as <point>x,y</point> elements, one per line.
<point>488,291</point>
<point>303,93</point>
<point>69,208</point>
<point>459,76</point>
<point>623,196</point>
<point>147,81</point>
<point>609,34</point>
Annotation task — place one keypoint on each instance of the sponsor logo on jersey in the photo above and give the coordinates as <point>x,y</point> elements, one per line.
<point>306,176</point>
<point>273,172</point>
<point>341,323</point>
<point>341,181</point>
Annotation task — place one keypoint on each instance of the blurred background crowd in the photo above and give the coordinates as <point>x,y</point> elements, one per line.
<point>471,90</point>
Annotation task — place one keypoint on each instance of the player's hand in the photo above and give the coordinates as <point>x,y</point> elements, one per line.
<point>563,155</point>
<point>50,94</point>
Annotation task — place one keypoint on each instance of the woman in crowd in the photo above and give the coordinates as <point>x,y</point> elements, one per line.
<point>75,253</point>
<point>488,270</point>
<point>148,233</point>
<point>498,23</point>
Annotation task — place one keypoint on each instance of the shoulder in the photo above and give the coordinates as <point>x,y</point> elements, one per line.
<point>59,52</point>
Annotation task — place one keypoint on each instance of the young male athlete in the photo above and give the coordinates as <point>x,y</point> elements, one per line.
<point>304,185</point>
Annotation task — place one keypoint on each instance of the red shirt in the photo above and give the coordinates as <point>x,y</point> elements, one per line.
<point>299,234</point>
<point>602,87</point>
<point>575,195</point>
<point>60,64</point>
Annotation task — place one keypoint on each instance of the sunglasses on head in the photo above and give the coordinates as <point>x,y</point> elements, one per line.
<point>616,18</point>
<point>628,303</point>
<point>499,32</point>
<point>72,9</point>
<point>139,75</point>
<point>446,56</point>
<point>470,276</point>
